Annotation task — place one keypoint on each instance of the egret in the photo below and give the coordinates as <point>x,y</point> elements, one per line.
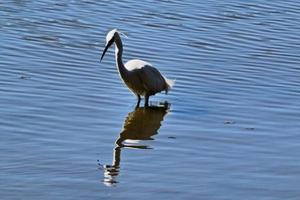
<point>139,76</point>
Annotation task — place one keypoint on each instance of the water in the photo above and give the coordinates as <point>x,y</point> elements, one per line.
<point>230,129</point>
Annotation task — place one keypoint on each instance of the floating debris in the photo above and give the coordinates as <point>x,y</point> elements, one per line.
<point>100,166</point>
<point>24,76</point>
<point>229,122</point>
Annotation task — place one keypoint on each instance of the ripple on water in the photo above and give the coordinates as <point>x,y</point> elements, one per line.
<point>231,128</point>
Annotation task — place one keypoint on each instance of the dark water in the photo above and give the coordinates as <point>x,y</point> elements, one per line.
<point>230,131</point>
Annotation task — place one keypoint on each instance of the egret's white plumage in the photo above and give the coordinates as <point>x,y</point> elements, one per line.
<point>135,64</point>
<point>140,77</point>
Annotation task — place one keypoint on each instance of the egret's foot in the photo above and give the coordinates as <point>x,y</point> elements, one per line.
<point>137,105</point>
<point>165,104</point>
<point>138,102</point>
<point>146,101</point>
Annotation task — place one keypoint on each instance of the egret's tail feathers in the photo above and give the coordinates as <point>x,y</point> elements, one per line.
<point>170,84</point>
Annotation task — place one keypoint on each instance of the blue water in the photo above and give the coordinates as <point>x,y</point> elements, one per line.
<point>229,130</point>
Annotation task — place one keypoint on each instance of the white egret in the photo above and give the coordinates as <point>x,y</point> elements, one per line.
<point>140,77</point>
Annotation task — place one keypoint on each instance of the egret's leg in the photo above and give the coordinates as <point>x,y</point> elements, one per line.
<point>146,100</point>
<point>138,102</point>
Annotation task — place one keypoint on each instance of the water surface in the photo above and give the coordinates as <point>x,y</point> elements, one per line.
<point>230,129</point>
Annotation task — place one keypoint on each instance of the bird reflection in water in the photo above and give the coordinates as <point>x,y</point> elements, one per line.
<point>140,124</point>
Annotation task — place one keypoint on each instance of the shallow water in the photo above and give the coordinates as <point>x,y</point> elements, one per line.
<point>230,129</point>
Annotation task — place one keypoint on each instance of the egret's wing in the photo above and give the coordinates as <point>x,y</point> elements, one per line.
<point>152,79</point>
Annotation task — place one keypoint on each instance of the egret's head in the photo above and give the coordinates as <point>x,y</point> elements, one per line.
<point>110,35</point>
<point>110,38</point>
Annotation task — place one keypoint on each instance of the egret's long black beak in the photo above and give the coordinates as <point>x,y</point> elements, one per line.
<point>105,49</point>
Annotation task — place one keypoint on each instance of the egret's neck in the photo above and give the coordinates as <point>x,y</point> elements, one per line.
<point>118,54</point>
